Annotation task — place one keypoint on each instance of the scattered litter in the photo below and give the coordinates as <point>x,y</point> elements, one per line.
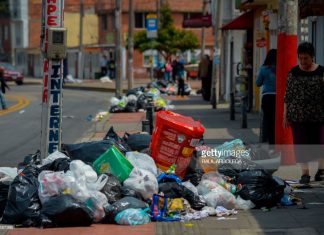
<point>222,211</point>
<point>22,111</point>
<point>71,116</point>
<point>89,118</point>
<point>226,218</point>
<point>69,79</point>
<point>105,79</point>
<point>188,225</point>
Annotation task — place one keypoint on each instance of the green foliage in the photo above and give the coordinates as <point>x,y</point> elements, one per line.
<point>170,40</point>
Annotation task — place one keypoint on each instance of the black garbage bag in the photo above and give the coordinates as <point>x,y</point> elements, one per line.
<point>131,106</point>
<point>4,191</point>
<point>236,166</point>
<point>60,164</point>
<point>259,187</point>
<point>194,177</point>
<point>120,205</point>
<point>65,211</point>
<point>116,109</point>
<point>162,83</point>
<point>23,205</point>
<point>194,171</point>
<point>142,102</point>
<point>112,189</point>
<point>138,141</point>
<point>34,159</point>
<point>135,91</point>
<point>112,135</point>
<point>174,190</point>
<point>88,152</point>
<point>127,192</point>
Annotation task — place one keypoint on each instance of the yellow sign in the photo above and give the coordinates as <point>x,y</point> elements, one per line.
<point>151,16</point>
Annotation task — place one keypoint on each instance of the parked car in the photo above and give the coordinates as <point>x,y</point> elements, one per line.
<point>11,73</point>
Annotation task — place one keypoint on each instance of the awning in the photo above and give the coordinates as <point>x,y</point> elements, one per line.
<point>242,22</point>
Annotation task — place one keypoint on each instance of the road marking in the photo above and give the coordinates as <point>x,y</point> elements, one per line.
<point>22,102</point>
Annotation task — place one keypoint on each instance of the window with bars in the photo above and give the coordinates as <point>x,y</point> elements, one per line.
<point>304,30</point>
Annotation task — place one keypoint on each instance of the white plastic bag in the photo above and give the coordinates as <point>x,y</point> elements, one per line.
<point>53,156</point>
<point>50,184</point>
<point>8,173</point>
<point>114,101</point>
<point>216,195</point>
<point>80,170</point>
<point>220,197</point>
<point>142,161</point>
<point>242,204</point>
<point>143,182</point>
<point>190,186</point>
<point>96,204</point>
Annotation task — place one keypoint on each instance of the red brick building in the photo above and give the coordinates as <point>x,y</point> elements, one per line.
<point>35,16</point>
<point>181,9</point>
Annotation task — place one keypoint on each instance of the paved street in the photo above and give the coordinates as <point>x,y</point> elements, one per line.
<point>20,124</point>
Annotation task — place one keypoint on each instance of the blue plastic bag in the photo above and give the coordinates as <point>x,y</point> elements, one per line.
<point>132,217</point>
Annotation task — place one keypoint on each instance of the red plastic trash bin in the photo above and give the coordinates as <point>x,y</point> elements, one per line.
<point>174,139</point>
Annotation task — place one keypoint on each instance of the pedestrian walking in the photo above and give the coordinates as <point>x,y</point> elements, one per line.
<point>167,71</point>
<point>3,89</point>
<point>267,79</point>
<point>103,65</point>
<point>181,86</point>
<point>304,111</point>
<point>112,68</point>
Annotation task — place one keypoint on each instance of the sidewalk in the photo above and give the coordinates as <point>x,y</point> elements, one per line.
<point>289,220</point>
<point>97,85</point>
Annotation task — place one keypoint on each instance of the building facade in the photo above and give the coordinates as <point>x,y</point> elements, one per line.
<point>27,24</point>
<point>181,10</point>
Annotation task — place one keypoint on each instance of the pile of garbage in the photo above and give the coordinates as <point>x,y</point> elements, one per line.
<point>140,99</point>
<point>169,88</point>
<point>135,179</point>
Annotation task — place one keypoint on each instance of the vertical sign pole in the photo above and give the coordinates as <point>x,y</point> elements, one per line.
<point>216,57</point>
<point>51,134</point>
<point>286,58</point>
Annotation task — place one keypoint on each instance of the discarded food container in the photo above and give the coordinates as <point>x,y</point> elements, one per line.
<point>114,162</point>
<point>174,139</point>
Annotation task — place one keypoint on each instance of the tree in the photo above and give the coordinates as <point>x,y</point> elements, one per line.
<point>170,40</point>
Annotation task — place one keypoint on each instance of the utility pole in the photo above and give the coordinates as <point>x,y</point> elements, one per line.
<point>118,47</point>
<point>80,54</point>
<point>51,121</point>
<point>131,19</point>
<point>203,31</point>
<point>286,58</point>
<point>216,57</point>
<point>158,11</point>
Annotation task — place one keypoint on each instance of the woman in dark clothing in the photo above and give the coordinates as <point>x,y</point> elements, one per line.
<point>304,111</point>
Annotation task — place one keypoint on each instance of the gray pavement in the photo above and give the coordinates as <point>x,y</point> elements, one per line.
<point>288,220</point>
